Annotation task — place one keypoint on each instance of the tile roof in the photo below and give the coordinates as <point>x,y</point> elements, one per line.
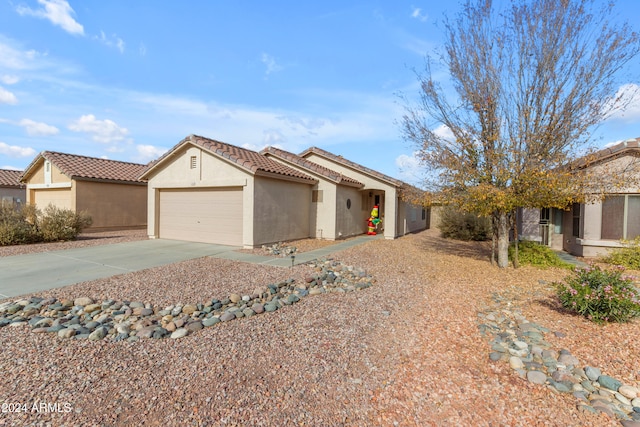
<point>90,168</point>
<point>10,178</point>
<point>353,165</point>
<point>249,160</point>
<point>334,176</point>
<point>630,146</point>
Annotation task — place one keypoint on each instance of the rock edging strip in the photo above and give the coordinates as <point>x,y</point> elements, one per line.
<point>84,318</point>
<point>521,343</point>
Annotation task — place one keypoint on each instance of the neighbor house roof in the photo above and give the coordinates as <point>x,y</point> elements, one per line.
<point>10,178</point>
<point>628,147</point>
<point>250,160</point>
<point>353,165</point>
<point>88,168</point>
<point>312,167</point>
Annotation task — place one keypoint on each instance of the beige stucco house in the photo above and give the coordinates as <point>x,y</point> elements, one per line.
<point>11,189</point>
<point>210,191</point>
<point>108,190</point>
<point>592,229</point>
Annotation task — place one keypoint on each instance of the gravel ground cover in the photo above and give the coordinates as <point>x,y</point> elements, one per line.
<point>405,352</point>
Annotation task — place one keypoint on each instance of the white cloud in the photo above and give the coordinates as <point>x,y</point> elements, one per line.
<point>142,49</point>
<point>38,129</point>
<point>16,151</point>
<point>628,103</point>
<point>411,170</point>
<point>444,132</point>
<point>417,14</point>
<point>113,41</point>
<point>271,64</point>
<point>58,12</point>
<point>11,168</point>
<point>9,80</point>
<point>273,137</point>
<point>105,131</point>
<point>12,58</point>
<point>7,97</point>
<point>146,153</point>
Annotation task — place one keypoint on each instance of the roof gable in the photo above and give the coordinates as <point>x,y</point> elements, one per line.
<point>630,147</point>
<point>10,178</point>
<point>312,167</point>
<point>88,168</point>
<point>352,165</point>
<point>249,160</point>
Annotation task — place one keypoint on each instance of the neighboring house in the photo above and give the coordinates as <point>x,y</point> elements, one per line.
<point>209,191</point>
<point>592,229</point>
<point>11,190</point>
<point>398,217</point>
<point>109,191</point>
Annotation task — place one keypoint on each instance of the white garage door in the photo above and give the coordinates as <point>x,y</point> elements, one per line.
<point>203,215</point>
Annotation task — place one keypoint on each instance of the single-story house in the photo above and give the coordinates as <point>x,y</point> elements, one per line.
<point>210,191</point>
<point>398,216</point>
<point>11,189</point>
<point>592,229</point>
<point>110,191</point>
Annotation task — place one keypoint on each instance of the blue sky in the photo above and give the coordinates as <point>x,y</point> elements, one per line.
<point>128,80</point>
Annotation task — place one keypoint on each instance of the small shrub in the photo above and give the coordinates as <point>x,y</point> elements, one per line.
<point>537,255</point>
<point>464,226</point>
<point>61,224</point>
<point>17,225</point>
<point>600,295</point>
<point>627,256</point>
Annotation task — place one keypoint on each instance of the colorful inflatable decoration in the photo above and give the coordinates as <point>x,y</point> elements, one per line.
<point>373,221</point>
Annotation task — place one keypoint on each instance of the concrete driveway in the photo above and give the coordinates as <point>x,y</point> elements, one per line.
<point>31,273</point>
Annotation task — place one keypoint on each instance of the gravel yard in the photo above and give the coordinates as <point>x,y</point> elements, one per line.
<point>404,352</point>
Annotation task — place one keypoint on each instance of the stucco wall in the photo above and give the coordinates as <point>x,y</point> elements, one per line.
<point>281,210</point>
<point>112,205</point>
<point>323,213</point>
<point>350,221</point>
<point>14,194</point>
<point>411,219</point>
<point>390,207</point>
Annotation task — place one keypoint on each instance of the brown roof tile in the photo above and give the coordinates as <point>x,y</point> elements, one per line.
<point>90,168</point>
<point>249,160</point>
<point>312,167</point>
<point>630,146</point>
<point>10,178</point>
<point>353,165</point>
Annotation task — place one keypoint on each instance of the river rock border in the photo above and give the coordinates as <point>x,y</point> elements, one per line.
<point>521,343</point>
<point>85,318</point>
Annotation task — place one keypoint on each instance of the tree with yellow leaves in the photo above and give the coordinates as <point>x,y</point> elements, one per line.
<point>532,79</point>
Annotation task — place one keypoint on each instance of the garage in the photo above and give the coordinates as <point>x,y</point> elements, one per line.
<point>59,197</point>
<point>208,215</point>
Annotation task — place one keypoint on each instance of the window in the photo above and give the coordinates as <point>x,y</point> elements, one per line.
<point>424,214</point>
<point>194,162</point>
<point>620,217</point>
<point>575,211</point>
<point>316,196</point>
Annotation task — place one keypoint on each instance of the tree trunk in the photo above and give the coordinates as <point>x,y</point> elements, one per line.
<point>502,228</point>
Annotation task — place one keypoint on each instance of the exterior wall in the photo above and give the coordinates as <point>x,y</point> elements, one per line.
<point>210,171</point>
<point>350,220</point>
<point>13,194</point>
<point>62,189</point>
<point>112,205</point>
<point>529,224</point>
<point>281,210</point>
<point>323,214</point>
<point>411,218</point>
<point>590,244</point>
<point>388,211</point>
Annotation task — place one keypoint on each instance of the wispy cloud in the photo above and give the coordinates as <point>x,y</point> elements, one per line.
<point>142,49</point>
<point>271,64</point>
<point>16,151</point>
<point>7,97</point>
<point>12,58</point>
<point>9,79</point>
<point>628,104</point>
<point>411,170</point>
<point>34,128</point>
<point>111,41</point>
<point>58,12</point>
<point>146,153</point>
<point>417,14</point>
<point>104,131</point>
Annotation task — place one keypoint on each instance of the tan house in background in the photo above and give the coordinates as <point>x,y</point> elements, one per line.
<point>209,191</point>
<point>108,190</point>
<point>592,229</point>
<point>11,189</point>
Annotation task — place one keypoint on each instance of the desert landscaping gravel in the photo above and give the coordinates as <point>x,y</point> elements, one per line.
<point>407,351</point>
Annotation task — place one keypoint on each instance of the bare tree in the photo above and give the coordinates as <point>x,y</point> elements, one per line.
<point>531,81</point>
